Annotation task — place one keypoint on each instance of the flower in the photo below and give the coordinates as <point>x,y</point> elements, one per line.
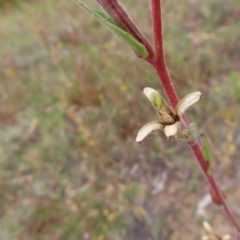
<point>212,235</point>
<point>169,119</point>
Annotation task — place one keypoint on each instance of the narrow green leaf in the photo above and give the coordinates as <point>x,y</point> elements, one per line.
<point>207,151</point>
<point>106,20</point>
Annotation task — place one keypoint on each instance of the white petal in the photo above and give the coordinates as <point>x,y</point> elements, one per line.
<point>226,237</point>
<point>171,130</point>
<point>148,91</point>
<point>156,99</point>
<point>186,102</point>
<point>148,128</point>
<point>207,227</point>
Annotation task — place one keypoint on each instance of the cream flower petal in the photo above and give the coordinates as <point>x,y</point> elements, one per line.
<point>212,235</point>
<point>226,237</point>
<point>156,99</point>
<point>148,128</point>
<point>171,130</point>
<point>207,227</point>
<point>186,102</point>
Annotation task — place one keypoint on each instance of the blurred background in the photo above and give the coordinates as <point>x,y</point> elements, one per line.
<point>71,104</point>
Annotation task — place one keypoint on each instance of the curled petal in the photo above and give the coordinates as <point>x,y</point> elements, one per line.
<point>148,128</point>
<point>157,100</point>
<point>186,102</point>
<point>212,235</point>
<point>171,130</point>
<point>207,227</point>
<point>226,237</point>
<point>154,97</point>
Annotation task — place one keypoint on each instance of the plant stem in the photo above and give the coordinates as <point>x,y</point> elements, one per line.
<point>159,61</point>
<point>160,66</point>
<point>120,16</point>
<point>199,155</point>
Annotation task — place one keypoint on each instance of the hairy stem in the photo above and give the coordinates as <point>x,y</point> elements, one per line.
<point>160,66</point>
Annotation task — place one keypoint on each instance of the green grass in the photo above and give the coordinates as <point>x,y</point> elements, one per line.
<point>234,77</point>
<point>70,108</point>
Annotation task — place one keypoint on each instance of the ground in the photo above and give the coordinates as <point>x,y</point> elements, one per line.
<point>72,103</point>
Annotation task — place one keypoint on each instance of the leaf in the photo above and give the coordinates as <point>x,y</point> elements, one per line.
<point>207,151</point>
<point>106,20</point>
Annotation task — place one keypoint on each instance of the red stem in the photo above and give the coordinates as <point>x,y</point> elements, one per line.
<point>199,156</point>
<point>157,30</point>
<point>120,16</point>
<point>161,69</point>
